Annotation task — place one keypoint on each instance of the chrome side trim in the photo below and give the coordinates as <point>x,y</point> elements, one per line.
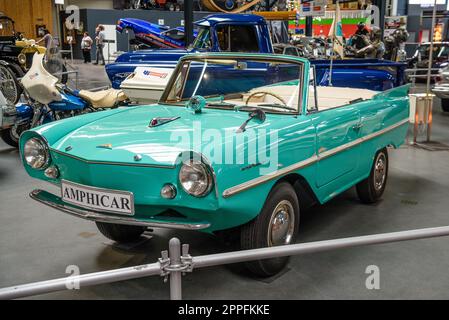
<point>124,164</point>
<point>299,165</point>
<point>255,182</point>
<point>42,197</point>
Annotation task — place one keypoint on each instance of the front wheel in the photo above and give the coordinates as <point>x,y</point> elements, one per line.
<point>10,137</point>
<point>119,232</point>
<point>9,85</point>
<point>276,225</point>
<point>445,105</point>
<point>372,188</point>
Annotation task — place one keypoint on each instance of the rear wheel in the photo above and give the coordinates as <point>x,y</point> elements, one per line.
<point>276,225</point>
<point>372,188</point>
<point>445,105</point>
<point>120,232</point>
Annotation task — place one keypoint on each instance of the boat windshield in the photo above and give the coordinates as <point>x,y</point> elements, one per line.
<point>229,82</point>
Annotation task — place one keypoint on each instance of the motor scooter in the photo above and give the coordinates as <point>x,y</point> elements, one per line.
<point>49,100</point>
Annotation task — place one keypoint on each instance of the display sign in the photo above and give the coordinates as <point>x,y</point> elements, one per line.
<point>312,8</point>
<point>392,23</point>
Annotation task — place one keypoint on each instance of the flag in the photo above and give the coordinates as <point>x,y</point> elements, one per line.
<point>336,32</point>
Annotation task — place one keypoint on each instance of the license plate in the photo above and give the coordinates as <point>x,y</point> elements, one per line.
<point>105,200</point>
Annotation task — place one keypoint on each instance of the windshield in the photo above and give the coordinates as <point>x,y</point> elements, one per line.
<point>53,61</point>
<point>439,51</point>
<point>203,40</point>
<point>228,82</point>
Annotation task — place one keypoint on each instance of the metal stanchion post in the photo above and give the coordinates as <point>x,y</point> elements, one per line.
<point>175,276</point>
<point>415,127</point>
<point>429,118</point>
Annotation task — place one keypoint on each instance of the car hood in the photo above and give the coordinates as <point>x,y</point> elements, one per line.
<point>123,136</point>
<point>152,55</point>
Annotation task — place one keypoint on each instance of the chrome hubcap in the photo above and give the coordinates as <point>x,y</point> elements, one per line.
<point>282,224</point>
<point>8,85</point>
<point>380,171</point>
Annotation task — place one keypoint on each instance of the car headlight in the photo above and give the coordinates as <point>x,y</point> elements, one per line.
<point>36,154</point>
<point>22,58</point>
<point>196,178</point>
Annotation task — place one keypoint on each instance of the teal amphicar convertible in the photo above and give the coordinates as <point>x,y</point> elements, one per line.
<point>237,142</point>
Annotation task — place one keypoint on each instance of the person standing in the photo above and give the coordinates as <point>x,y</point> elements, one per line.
<point>86,46</point>
<point>99,40</point>
<point>46,38</point>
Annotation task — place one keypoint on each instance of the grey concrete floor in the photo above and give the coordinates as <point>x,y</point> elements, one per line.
<point>37,243</point>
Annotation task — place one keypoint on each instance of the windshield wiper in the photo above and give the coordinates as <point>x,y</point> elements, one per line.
<point>276,105</point>
<point>221,104</point>
<point>257,114</point>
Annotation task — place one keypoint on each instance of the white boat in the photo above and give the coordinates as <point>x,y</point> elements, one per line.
<point>146,84</point>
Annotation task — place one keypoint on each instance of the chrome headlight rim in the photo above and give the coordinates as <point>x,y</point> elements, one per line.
<point>44,146</point>
<point>22,58</point>
<point>208,175</point>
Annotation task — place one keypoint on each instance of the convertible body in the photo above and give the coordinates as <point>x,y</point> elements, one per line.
<point>324,140</point>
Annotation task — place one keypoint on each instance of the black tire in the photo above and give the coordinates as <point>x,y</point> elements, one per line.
<point>445,105</point>
<point>119,232</point>
<point>371,189</point>
<point>8,138</point>
<point>256,234</point>
<point>13,90</point>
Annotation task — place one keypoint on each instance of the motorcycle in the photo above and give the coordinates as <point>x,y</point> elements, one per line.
<point>47,99</point>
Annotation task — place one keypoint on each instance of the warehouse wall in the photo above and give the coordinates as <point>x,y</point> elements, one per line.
<point>91,4</point>
<point>29,13</point>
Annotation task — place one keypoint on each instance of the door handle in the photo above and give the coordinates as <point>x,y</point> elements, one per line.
<point>357,126</point>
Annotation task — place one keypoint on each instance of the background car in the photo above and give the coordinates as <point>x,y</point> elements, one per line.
<point>441,89</point>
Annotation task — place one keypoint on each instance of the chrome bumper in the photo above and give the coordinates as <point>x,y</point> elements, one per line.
<point>8,116</point>
<point>55,202</point>
<point>441,91</point>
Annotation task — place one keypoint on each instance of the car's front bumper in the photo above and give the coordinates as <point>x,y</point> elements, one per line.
<point>441,91</point>
<point>8,116</point>
<point>55,202</point>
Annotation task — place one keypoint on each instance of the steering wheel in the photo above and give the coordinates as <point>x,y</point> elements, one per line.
<point>264,93</point>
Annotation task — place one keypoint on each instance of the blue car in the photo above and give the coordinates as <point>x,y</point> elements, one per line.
<point>153,35</point>
<point>247,33</point>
